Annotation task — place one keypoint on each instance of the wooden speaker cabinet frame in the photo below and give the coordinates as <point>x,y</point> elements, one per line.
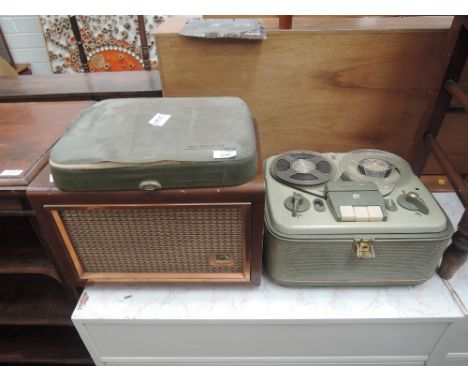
<point>48,202</point>
<point>243,276</point>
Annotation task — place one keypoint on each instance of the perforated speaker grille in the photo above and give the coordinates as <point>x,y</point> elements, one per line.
<point>333,262</point>
<point>153,240</point>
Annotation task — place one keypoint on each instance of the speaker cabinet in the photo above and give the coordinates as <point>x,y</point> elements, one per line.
<point>211,234</point>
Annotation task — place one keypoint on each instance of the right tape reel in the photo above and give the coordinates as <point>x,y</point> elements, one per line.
<point>385,169</point>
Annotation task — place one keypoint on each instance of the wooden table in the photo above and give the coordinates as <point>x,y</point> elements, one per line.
<point>80,86</point>
<point>35,300</point>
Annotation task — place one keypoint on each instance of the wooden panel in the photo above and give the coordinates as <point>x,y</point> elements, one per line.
<point>453,137</point>
<point>33,300</point>
<point>437,183</point>
<point>42,345</point>
<point>27,131</point>
<point>303,24</point>
<point>80,86</point>
<point>336,89</point>
<point>463,82</point>
<point>21,251</point>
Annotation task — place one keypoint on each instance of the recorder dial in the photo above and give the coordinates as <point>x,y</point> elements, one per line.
<point>296,203</point>
<point>412,201</point>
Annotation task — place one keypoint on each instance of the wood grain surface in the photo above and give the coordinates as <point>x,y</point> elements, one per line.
<point>453,138</point>
<point>21,250</point>
<point>303,24</point>
<point>50,345</point>
<point>27,132</point>
<point>27,299</point>
<point>80,86</point>
<point>357,83</point>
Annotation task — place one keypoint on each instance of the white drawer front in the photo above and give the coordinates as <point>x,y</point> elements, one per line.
<point>362,342</point>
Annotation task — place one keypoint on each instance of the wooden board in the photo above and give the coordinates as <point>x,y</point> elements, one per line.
<point>355,83</point>
<point>50,345</point>
<point>437,183</point>
<point>301,24</point>
<point>27,132</point>
<point>33,300</point>
<point>21,251</point>
<point>80,86</point>
<point>463,82</point>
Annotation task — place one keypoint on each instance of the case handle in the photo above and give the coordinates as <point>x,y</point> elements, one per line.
<point>149,185</point>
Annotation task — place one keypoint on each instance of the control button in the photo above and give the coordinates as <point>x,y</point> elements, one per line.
<point>361,213</point>
<point>390,205</point>
<point>375,213</point>
<point>319,205</point>
<point>347,214</point>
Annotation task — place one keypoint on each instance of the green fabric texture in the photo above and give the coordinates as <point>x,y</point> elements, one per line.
<point>112,145</point>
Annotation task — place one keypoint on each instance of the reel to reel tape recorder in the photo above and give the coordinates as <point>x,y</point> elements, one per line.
<point>357,218</point>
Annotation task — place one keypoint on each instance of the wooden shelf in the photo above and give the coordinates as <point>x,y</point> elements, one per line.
<point>33,300</point>
<point>80,86</point>
<point>42,345</point>
<point>21,251</point>
<point>25,259</point>
<point>35,303</point>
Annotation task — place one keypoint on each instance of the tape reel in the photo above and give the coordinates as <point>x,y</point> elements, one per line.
<point>302,168</point>
<point>385,169</point>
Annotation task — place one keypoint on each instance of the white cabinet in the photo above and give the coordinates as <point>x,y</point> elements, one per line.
<point>270,324</point>
<point>452,349</point>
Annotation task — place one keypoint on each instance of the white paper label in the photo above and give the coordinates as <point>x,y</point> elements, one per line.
<point>11,172</point>
<point>159,119</point>
<point>223,154</point>
<point>51,178</point>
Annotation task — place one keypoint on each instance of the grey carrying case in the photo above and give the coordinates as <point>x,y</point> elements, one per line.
<point>151,143</point>
<point>314,247</point>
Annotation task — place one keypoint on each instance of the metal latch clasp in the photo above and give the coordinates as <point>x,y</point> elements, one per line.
<point>363,249</point>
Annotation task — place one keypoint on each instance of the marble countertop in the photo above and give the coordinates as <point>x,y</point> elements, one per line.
<point>270,301</point>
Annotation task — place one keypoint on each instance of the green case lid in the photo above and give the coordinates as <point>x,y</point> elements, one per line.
<point>195,142</point>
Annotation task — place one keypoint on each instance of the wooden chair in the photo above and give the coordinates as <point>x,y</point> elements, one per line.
<point>443,89</point>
